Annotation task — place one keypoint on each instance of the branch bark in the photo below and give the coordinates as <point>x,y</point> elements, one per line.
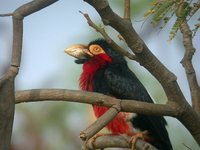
<point>7,108</point>
<point>6,15</point>
<point>114,45</point>
<point>34,95</point>
<point>116,105</point>
<point>188,117</point>
<point>127,9</point>
<point>107,141</point>
<point>7,99</point>
<point>100,123</point>
<point>176,107</point>
<point>189,69</point>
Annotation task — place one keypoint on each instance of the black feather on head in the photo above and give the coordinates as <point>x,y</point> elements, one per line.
<point>116,56</point>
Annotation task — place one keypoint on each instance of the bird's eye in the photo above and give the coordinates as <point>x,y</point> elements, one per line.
<point>96,49</point>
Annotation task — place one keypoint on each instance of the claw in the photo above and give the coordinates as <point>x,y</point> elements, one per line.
<point>133,140</point>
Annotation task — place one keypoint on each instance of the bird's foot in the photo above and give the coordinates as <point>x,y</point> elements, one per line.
<point>136,136</point>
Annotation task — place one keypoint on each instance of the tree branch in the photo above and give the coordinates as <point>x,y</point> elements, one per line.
<point>116,105</point>
<point>135,43</point>
<point>6,15</point>
<point>7,108</point>
<point>18,16</point>
<point>32,7</point>
<point>195,8</point>
<point>34,95</point>
<point>189,69</point>
<point>114,45</point>
<point>151,63</point>
<point>127,9</point>
<point>107,141</point>
<point>7,99</point>
<point>100,123</point>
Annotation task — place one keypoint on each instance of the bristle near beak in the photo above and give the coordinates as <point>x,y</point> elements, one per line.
<point>78,51</point>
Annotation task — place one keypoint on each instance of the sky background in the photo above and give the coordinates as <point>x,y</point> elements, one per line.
<point>45,65</point>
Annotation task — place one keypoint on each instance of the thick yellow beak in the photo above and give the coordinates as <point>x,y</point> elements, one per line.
<point>79,51</point>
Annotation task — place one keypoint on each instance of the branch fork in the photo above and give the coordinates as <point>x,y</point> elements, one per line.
<point>7,93</point>
<point>108,38</point>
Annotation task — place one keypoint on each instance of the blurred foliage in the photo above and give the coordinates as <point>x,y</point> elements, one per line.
<point>164,10</point>
<point>48,125</point>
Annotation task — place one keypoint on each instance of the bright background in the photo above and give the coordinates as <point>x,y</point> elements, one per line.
<point>56,125</point>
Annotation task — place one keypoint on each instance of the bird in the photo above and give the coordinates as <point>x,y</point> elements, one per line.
<point>106,71</point>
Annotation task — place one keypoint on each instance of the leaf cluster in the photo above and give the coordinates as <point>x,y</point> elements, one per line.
<point>163,10</point>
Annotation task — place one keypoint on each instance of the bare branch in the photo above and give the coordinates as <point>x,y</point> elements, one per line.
<point>12,71</point>
<point>170,109</point>
<point>136,44</point>
<point>151,63</point>
<point>100,123</point>
<point>7,108</point>
<point>7,99</point>
<point>18,16</point>
<point>189,69</point>
<point>32,7</point>
<point>195,8</point>
<point>114,45</point>
<point>108,141</point>
<point>6,15</point>
<point>17,43</point>
<point>127,9</point>
<point>97,99</point>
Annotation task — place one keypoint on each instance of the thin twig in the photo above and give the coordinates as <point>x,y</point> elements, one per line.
<point>195,8</point>
<point>108,39</point>
<point>6,15</point>
<point>127,9</point>
<point>187,64</point>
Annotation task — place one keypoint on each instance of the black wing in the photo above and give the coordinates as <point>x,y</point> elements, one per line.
<point>122,83</point>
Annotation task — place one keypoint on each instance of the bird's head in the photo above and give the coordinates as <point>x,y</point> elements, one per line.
<point>96,49</point>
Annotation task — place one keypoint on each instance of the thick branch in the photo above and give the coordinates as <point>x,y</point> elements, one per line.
<point>7,108</point>
<point>7,99</point>
<point>135,106</point>
<point>102,100</point>
<point>189,69</point>
<point>108,141</point>
<point>151,63</point>
<point>114,45</point>
<point>135,43</point>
